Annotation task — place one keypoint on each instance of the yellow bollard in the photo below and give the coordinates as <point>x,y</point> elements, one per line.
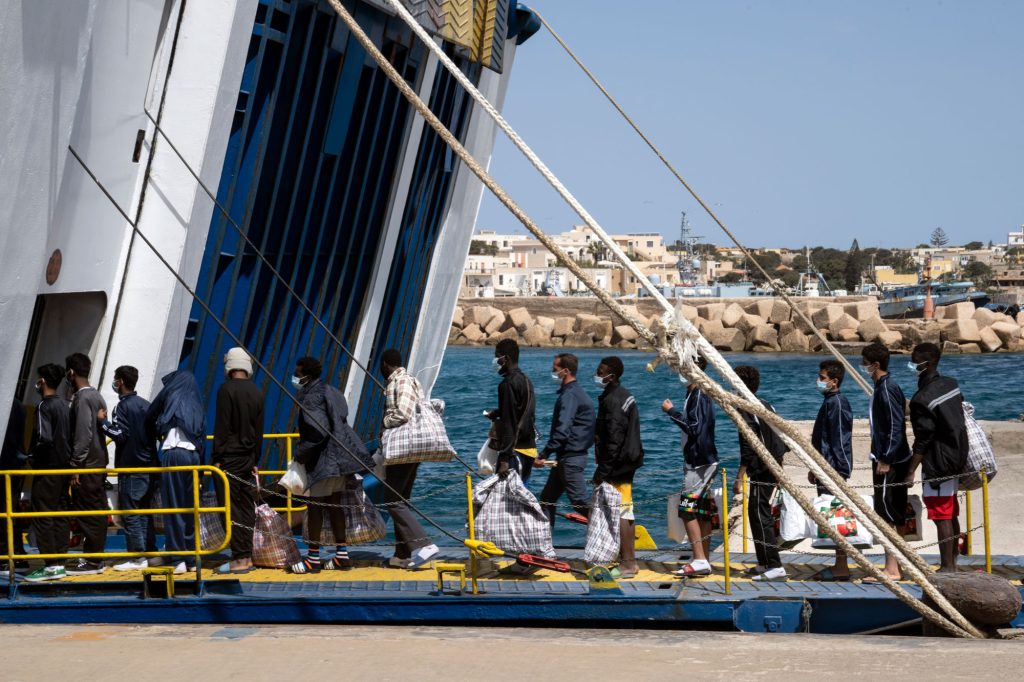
<point>724,518</point>
<point>968,523</point>
<point>744,494</point>
<point>984,516</point>
<point>472,532</point>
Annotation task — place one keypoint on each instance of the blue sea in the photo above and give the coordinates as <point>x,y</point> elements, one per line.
<point>468,384</point>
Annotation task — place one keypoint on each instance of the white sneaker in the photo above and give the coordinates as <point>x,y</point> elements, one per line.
<point>772,575</point>
<point>423,555</point>
<point>180,568</point>
<point>132,565</point>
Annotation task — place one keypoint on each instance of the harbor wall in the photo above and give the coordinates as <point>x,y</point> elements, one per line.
<point>762,324</point>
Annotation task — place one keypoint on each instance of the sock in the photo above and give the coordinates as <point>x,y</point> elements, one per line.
<point>341,553</point>
<point>700,563</point>
<point>313,555</point>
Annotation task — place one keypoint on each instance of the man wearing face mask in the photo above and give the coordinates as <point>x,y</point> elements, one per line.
<point>134,447</point>
<point>940,445</point>
<point>513,420</point>
<point>572,434</point>
<point>88,451</point>
<point>619,452</point>
<point>832,436</point>
<point>890,452</point>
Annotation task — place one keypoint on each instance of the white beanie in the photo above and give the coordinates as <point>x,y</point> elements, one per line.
<point>237,358</point>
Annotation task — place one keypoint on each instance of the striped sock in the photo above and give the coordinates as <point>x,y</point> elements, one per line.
<point>313,555</point>
<point>341,554</point>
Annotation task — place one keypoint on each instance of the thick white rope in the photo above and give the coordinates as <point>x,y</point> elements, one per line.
<point>690,333</point>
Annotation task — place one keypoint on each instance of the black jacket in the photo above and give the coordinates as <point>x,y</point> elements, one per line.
<point>51,437</point>
<point>324,407</point>
<point>514,419</point>
<point>697,422</point>
<point>619,449</point>
<point>133,446</point>
<point>940,433</point>
<point>238,425</point>
<point>771,440</point>
<point>832,434</point>
<point>888,422</point>
<point>88,449</point>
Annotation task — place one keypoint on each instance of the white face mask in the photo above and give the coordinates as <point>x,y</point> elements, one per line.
<point>599,380</point>
<point>682,379</point>
<point>297,381</point>
<point>917,368</point>
<point>556,376</point>
<point>867,369</point>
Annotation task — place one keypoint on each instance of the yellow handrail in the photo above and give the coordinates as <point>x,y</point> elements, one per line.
<point>10,515</point>
<point>723,516</point>
<point>289,437</point>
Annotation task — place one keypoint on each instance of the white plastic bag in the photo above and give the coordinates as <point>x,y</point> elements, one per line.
<point>794,524</point>
<point>980,456</point>
<point>295,479</point>
<point>487,459</point>
<point>840,518</point>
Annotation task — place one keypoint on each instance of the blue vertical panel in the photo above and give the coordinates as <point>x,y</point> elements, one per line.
<point>312,157</point>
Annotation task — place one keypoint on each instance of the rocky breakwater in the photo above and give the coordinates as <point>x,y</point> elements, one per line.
<point>758,325</point>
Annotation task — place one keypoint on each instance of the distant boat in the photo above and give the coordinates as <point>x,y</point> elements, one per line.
<point>908,301</point>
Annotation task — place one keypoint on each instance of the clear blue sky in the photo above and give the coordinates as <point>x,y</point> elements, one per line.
<point>801,122</point>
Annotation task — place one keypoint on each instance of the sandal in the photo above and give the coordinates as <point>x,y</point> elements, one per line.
<point>304,566</point>
<point>827,576</point>
<point>688,571</point>
<point>336,563</point>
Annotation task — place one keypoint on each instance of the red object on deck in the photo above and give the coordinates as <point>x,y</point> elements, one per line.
<point>541,562</point>
<point>577,518</point>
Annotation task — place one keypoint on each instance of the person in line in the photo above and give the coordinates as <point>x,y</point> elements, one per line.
<point>619,452</point>
<point>762,486</point>
<point>832,436</point>
<point>177,418</point>
<point>50,449</point>
<point>330,467</point>
<point>237,441</point>
<point>940,447</point>
<point>412,544</point>
<point>514,419</point>
<point>572,434</point>
<point>133,448</point>
<point>13,457</point>
<point>88,451</point>
<point>700,469</point>
<point>890,451</point>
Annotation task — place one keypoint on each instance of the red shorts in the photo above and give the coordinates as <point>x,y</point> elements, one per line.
<point>941,501</point>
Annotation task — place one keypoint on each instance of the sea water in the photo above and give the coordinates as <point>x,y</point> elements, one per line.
<point>468,384</point>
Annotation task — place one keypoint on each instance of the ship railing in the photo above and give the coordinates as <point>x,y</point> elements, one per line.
<point>289,508</point>
<point>198,551</point>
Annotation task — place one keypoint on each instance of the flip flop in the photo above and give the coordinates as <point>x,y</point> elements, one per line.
<point>872,580</point>
<point>827,576</point>
<point>688,571</point>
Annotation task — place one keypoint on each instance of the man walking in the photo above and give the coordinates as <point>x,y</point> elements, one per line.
<point>572,434</point>
<point>50,449</point>
<point>88,451</point>
<point>133,448</point>
<point>940,446</point>
<point>619,452</point>
<point>514,418</point>
<point>412,544</point>
<point>237,439</point>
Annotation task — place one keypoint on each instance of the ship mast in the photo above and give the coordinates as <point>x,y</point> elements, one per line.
<point>688,262</point>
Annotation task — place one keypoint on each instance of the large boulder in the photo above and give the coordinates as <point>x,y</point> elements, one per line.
<point>781,312</point>
<point>785,327</point>
<point>624,333</point>
<point>915,334</point>
<point>962,330</point>
<point>457,317</point>
<point>473,333</point>
<point>958,311</point>
<point>970,348</point>
<point>983,598</point>
<point>579,340</point>
<point>509,333</point>
<point>711,311</point>
<point>521,319</point>
<point>985,317</point>
<point>890,339</point>
<point>631,312</point>
<point>479,315</point>
<point>990,341</point>
<point>794,342</point>
<point>824,317</point>
<point>453,334</point>
<point>732,314</point>
<point>870,328</point>
<point>709,328</point>
<point>950,347</point>
<point>846,336</point>
<point>688,312</point>
<point>862,310</point>
<point>728,339</point>
<point>1020,318</point>
<point>1007,332</point>
<point>748,323</point>
<point>841,324</point>
<point>762,307</point>
<point>496,325</point>
<point>563,326</point>
<point>597,327</point>
<point>546,322</point>
<point>537,336</point>
<point>764,336</point>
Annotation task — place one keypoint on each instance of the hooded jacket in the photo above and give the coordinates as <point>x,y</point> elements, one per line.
<point>940,432</point>
<point>132,446</point>
<point>697,422</point>
<point>832,434</point>
<point>325,408</point>
<point>178,405</point>
<point>618,447</point>
<point>888,422</point>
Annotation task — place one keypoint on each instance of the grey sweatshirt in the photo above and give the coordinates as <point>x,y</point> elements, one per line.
<point>87,449</point>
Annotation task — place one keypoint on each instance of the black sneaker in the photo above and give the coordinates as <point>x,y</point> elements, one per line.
<point>84,567</point>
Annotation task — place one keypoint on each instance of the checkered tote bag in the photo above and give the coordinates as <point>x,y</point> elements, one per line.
<point>421,439</point>
<point>211,524</point>
<point>603,530</point>
<point>272,543</point>
<point>363,523</point>
<point>508,515</point>
<point>980,456</point>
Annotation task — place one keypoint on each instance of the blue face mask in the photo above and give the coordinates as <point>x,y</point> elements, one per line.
<point>297,382</point>
<point>822,386</point>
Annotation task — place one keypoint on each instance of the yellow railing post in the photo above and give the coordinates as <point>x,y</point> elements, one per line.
<point>9,530</point>
<point>288,462</point>
<point>984,515</point>
<point>970,523</point>
<point>472,531</point>
<point>196,504</point>
<point>724,517</point>
<point>743,492</point>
